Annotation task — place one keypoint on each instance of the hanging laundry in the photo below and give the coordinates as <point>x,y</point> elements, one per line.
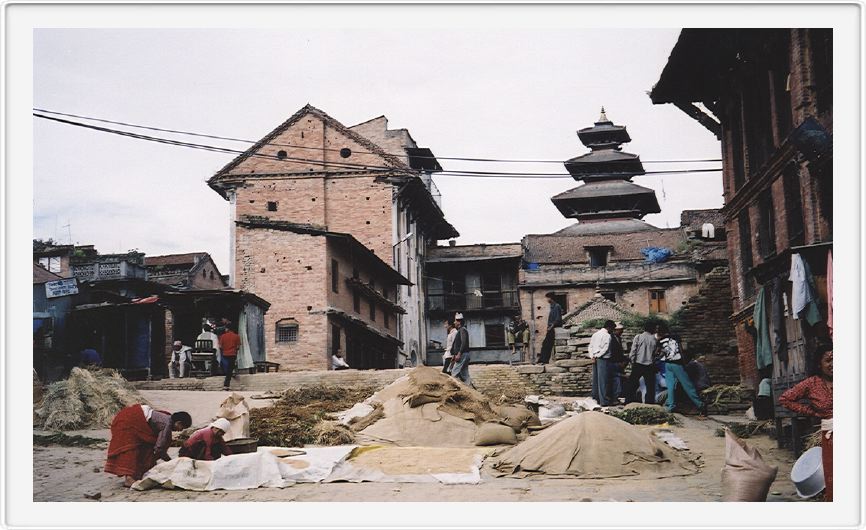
<point>803,299</point>
<point>708,231</point>
<point>777,317</point>
<point>830,292</point>
<point>811,313</point>
<point>763,349</point>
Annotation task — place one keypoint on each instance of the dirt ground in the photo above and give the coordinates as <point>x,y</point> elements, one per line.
<point>75,474</point>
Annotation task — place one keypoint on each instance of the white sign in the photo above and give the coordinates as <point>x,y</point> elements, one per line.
<point>63,287</point>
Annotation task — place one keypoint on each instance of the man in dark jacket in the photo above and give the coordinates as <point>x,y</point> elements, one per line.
<point>554,320</point>
<point>460,351</point>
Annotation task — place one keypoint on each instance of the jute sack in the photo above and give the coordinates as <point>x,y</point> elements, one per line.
<point>235,409</point>
<point>495,434</point>
<point>518,417</point>
<point>745,477</point>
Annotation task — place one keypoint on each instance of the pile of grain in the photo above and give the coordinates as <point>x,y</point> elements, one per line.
<point>593,445</point>
<point>427,408</point>
<point>89,398</point>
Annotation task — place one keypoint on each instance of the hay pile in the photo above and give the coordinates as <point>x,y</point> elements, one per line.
<point>593,445</point>
<point>293,419</point>
<point>426,408</point>
<point>333,433</point>
<point>641,414</point>
<point>89,398</point>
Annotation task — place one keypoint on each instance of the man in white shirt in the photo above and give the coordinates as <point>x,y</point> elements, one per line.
<point>181,360</point>
<point>208,334</point>
<point>602,367</point>
<point>337,362</point>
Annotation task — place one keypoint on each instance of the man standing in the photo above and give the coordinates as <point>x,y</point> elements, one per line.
<point>450,333</point>
<point>642,357</point>
<point>181,360</point>
<point>675,372</point>
<point>460,351</point>
<point>599,352</point>
<point>618,362</point>
<point>554,320</point>
<point>230,343</point>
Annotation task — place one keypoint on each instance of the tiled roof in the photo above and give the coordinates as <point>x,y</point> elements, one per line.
<point>190,258</point>
<point>597,307</point>
<point>474,252</point>
<point>606,226</point>
<point>556,248</point>
<point>389,160</point>
<point>41,275</point>
<point>694,219</point>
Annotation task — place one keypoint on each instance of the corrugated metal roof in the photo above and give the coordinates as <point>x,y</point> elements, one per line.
<point>190,258</point>
<point>41,275</point>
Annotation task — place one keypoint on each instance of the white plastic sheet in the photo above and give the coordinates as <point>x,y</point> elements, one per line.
<point>235,472</point>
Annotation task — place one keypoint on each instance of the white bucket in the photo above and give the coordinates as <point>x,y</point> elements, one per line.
<point>808,473</point>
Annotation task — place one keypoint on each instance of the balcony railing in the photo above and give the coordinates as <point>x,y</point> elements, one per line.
<point>471,301</point>
<point>108,271</point>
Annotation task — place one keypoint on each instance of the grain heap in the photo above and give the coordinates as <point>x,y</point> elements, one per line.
<point>593,445</point>
<point>426,408</point>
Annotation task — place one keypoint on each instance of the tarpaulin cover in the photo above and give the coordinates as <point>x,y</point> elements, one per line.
<point>656,254</point>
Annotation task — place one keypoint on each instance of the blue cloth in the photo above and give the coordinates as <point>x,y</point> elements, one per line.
<point>676,373</point>
<point>656,254</point>
<point>90,356</point>
<point>763,346</point>
<point>460,370</point>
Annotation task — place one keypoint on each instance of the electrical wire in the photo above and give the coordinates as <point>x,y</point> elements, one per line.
<point>340,165</point>
<point>275,144</point>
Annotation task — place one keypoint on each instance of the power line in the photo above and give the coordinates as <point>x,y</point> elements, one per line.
<point>339,165</point>
<point>275,144</point>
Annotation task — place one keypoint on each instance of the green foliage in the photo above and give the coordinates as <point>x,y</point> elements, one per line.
<point>42,244</point>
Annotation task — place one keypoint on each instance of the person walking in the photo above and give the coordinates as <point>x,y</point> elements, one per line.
<point>450,333</point>
<point>602,367</point>
<point>644,350</point>
<point>230,343</point>
<point>813,396</point>
<point>675,372</point>
<point>460,352</point>
<point>554,320</point>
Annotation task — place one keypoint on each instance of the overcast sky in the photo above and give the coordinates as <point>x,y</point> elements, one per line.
<point>490,94</point>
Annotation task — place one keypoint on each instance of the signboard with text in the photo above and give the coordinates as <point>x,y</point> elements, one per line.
<point>65,287</point>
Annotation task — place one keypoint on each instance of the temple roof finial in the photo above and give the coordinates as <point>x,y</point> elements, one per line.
<point>603,117</point>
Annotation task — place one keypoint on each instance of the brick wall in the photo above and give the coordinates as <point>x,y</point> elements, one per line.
<point>288,270</point>
<point>706,329</point>
<point>207,277</point>
<point>746,356</point>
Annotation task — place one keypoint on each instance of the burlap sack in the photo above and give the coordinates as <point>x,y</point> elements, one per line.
<point>235,409</point>
<point>495,434</point>
<point>745,477</point>
<point>518,418</point>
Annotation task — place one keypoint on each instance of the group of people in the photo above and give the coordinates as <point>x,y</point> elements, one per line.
<point>225,342</point>
<point>141,435</point>
<point>652,351</point>
<point>456,359</point>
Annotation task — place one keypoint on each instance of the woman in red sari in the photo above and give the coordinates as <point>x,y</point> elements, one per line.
<point>140,436</point>
<point>814,397</point>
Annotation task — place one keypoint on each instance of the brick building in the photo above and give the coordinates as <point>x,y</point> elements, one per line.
<point>602,252</point>
<point>193,270</point>
<point>767,95</point>
<point>312,171</point>
<point>479,281</point>
<point>329,293</point>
